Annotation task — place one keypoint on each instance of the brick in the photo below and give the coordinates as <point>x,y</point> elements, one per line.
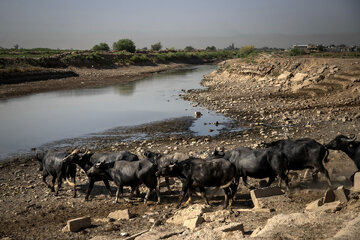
<point>329,196</point>
<point>77,224</point>
<point>341,194</point>
<point>357,182</point>
<point>120,214</point>
<point>193,222</point>
<point>231,227</point>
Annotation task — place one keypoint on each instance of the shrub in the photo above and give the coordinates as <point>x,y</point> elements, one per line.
<point>212,48</point>
<point>124,44</point>
<point>297,52</point>
<point>140,58</point>
<point>156,46</point>
<point>101,47</point>
<point>245,51</point>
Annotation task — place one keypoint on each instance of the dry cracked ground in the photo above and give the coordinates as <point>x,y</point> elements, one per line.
<point>268,98</point>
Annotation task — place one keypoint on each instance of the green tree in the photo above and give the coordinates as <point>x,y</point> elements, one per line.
<point>212,48</point>
<point>124,44</point>
<point>297,52</point>
<point>189,48</point>
<point>101,47</point>
<point>156,46</point>
<point>320,48</point>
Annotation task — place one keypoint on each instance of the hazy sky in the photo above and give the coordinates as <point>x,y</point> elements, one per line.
<point>80,24</point>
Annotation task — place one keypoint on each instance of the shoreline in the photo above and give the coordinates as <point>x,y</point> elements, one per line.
<point>87,78</point>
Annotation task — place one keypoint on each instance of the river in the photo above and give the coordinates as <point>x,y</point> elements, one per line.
<point>34,120</point>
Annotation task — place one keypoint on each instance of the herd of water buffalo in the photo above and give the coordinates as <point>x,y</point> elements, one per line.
<point>223,169</point>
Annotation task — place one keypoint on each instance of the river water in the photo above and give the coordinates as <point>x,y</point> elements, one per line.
<point>37,119</point>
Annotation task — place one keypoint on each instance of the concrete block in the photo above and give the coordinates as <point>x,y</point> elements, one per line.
<point>193,222</point>
<point>341,194</point>
<point>357,182</point>
<point>329,196</point>
<point>120,214</point>
<point>231,227</point>
<point>77,224</point>
<point>213,216</point>
<point>327,207</point>
<point>266,192</point>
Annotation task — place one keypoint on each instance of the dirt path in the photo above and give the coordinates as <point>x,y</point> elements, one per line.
<point>268,104</point>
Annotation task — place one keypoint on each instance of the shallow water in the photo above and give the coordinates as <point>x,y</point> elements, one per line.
<point>33,120</point>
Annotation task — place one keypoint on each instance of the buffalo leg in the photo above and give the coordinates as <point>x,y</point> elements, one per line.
<point>59,182</point>
<point>147,195</point>
<point>246,184</point>
<point>184,191</point>
<point>74,188</point>
<point>233,188</point>
<point>107,185</point>
<point>203,195</point>
<point>90,187</point>
<point>118,191</point>
<point>227,194</point>
<point>167,184</point>
<point>53,184</point>
<point>189,191</point>
<point>323,170</point>
<point>270,181</point>
<point>45,174</point>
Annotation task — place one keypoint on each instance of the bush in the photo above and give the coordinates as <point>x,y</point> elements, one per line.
<point>189,48</point>
<point>245,51</point>
<point>101,47</point>
<point>297,52</point>
<point>212,48</point>
<point>124,44</point>
<point>156,46</point>
<point>140,58</point>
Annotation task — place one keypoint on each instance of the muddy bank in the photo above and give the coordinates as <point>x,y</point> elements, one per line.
<point>86,78</point>
<point>261,100</point>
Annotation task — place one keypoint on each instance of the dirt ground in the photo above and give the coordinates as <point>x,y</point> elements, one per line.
<point>269,107</point>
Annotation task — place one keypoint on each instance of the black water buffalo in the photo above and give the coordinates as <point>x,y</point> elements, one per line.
<point>53,163</point>
<point>201,173</point>
<point>256,163</point>
<point>126,173</point>
<point>162,162</point>
<point>348,145</point>
<point>88,159</point>
<point>303,153</point>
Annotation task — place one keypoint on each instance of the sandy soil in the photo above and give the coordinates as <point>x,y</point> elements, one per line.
<point>268,106</point>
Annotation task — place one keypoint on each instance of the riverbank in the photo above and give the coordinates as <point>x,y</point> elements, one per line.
<point>86,78</point>
<point>272,98</point>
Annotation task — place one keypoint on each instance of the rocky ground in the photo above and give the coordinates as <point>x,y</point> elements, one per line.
<point>271,98</point>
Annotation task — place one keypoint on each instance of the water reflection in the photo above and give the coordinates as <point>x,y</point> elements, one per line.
<point>125,89</point>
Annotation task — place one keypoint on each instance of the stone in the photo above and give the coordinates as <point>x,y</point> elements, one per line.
<point>192,211</point>
<point>197,114</point>
<point>262,183</point>
<point>120,214</point>
<point>234,226</point>
<point>341,194</point>
<point>266,192</point>
<point>285,76</point>
<point>299,77</point>
<point>218,215</point>
<point>314,204</point>
<point>266,197</point>
<point>77,224</point>
<point>193,222</point>
<point>329,196</point>
<point>357,182</point>
<point>327,207</point>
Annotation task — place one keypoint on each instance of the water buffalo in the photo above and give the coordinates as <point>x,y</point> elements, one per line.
<point>53,163</point>
<point>256,163</point>
<point>201,173</point>
<point>126,173</point>
<point>303,153</point>
<point>88,159</point>
<point>162,162</point>
<point>348,145</point>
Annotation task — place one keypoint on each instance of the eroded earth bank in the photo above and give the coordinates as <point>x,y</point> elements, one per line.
<point>270,98</point>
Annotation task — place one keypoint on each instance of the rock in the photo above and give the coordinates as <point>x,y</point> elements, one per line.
<point>218,215</point>
<point>327,207</point>
<point>299,77</point>
<point>77,224</point>
<point>234,226</point>
<point>190,212</point>
<point>193,222</point>
<point>329,196</point>
<point>255,232</point>
<point>120,214</point>
<point>262,183</point>
<point>357,182</point>
<point>341,194</point>
<point>350,231</point>
<point>285,76</point>
<point>162,232</point>
<point>314,204</point>
<point>132,237</point>
<point>197,114</point>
